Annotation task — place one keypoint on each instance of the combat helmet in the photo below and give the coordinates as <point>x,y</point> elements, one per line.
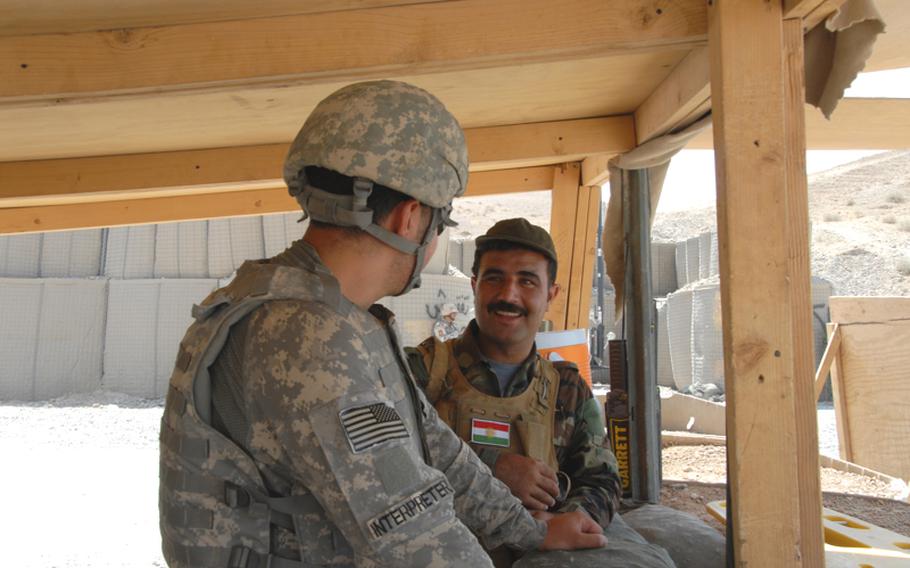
<point>386,133</point>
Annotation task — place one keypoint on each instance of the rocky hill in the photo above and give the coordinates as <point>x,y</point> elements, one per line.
<point>860,216</point>
<point>860,225</point>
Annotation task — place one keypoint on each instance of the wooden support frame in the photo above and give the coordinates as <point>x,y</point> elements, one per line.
<point>797,196</point>
<point>563,210</point>
<point>584,257</point>
<point>109,211</point>
<point>839,396</point>
<point>873,124</point>
<point>755,133</point>
<point>680,99</point>
<point>61,181</point>
<point>832,350</point>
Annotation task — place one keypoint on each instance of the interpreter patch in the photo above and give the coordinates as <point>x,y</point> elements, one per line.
<point>370,424</point>
<point>490,432</point>
<point>408,509</point>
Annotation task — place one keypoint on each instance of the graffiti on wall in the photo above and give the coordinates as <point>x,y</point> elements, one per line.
<point>450,314</point>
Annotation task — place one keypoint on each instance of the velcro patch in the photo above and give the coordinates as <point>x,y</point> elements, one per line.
<point>370,424</point>
<point>490,432</point>
<point>408,509</point>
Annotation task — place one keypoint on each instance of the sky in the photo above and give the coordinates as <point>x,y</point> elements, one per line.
<point>690,180</point>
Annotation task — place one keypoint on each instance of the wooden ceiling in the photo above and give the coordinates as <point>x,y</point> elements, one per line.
<point>107,101</point>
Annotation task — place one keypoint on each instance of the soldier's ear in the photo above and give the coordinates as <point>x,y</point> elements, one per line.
<point>407,220</point>
<point>552,292</point>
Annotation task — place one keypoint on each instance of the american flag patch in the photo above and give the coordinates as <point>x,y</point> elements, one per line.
<point>371,424</point>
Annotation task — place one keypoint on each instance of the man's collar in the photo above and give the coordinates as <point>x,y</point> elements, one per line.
<point>467,343</point>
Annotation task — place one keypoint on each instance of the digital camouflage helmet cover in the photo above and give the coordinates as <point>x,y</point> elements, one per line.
<point>387,133</point>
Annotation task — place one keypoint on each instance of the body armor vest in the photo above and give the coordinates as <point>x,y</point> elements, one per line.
<point>214,507</point>
<point>521,424</point>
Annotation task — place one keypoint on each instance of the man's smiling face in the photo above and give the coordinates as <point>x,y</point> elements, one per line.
<point>511,296</point>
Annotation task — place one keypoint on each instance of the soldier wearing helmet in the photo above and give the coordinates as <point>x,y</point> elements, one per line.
<point>293,435</point>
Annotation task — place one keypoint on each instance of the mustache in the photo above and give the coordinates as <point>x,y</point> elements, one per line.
<point>506,307</point>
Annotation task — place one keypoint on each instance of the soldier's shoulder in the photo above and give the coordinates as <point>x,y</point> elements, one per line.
<point>570,376</point>
<point>567,370</point>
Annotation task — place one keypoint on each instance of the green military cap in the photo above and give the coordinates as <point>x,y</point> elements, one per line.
<point>521,232</point>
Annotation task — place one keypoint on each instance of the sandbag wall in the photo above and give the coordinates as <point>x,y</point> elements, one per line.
<point>691,320</point>
<point>106,308</point>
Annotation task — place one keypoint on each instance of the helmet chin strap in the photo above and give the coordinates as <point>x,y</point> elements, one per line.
<point>352,211</point>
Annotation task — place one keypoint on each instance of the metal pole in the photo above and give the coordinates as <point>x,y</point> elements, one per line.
<point>641,328</point>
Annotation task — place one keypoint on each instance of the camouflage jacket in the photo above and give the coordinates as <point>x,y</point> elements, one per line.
<point>284,387</point>
<point>582,450</point>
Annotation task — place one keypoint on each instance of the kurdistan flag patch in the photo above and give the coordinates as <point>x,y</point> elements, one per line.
<point>490,432</point>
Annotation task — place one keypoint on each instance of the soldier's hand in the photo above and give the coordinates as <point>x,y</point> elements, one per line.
<point>532,481</point>
<point>568,531</point>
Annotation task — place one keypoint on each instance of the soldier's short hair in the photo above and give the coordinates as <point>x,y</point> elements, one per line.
<point>382,199</point>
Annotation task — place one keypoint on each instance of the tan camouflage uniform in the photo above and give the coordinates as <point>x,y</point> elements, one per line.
<point>582,452</point>
<point>297,366</point>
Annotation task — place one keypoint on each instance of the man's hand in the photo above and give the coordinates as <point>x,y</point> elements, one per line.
<point>568,531</point>
<point>532,481</point>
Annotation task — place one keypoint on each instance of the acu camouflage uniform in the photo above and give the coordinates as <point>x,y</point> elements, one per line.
<point>292,434</point>
<point>285,356</point>
<point>582,451</point>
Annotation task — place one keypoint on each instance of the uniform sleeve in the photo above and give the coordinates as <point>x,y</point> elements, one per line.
<point>313,382</point>
<point>587,458</point>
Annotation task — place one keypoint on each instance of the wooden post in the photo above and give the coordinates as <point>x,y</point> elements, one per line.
<point>754,134</point>
<point>563,210</point>
<point>797,188</point>
<point>584,255</point>
<point>838,392</point>
<point>641,334</point>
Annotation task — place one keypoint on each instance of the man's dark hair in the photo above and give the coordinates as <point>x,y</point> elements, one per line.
<point>507,245</point>
<point>382,199</point>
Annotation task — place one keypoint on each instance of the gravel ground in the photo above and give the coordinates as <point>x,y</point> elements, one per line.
<point>90,463</point>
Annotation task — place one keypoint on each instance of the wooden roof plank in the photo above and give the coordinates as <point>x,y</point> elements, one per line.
<point>321,47</point>
<point>56,16</point>
<point>857,123</point>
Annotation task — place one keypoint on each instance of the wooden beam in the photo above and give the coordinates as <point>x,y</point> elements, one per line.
<point>564,204</point>
<point>747,84</point>
<point>55,17</point>
<point>208,202</point>
<point>496,147</point>
<point>153,210</point>
<point>681,98</point>
<point>872,124</point>
<point>824,366</point>
<point>811,12</point>
<point>589,256</point>
<point>595,170</point>
<point>519,180</point>
<point>804,8</point>
<point>838,393</point>
<point>341,46</point>
<point>36,182</point>
<point>584,250</point>
<point>797,227</point>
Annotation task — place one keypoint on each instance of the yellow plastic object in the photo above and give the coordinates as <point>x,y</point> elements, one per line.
<point>850,542</point>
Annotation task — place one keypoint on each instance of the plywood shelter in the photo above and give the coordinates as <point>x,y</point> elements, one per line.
<point>116,113</point>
